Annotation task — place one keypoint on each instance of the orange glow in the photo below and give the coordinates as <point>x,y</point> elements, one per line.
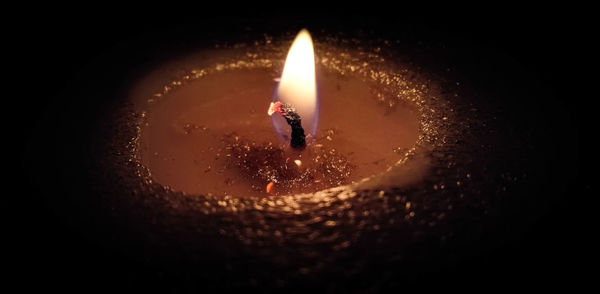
<point>274,107</point>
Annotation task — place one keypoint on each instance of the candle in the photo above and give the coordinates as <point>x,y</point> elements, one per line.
<point>107,215</point>
<point>219,99</point>
<point>207,131</point>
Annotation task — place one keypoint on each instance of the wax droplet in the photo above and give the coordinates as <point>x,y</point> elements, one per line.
<point>270,187</point>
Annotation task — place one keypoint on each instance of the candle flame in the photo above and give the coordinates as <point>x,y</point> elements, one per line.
<point>298,85</point>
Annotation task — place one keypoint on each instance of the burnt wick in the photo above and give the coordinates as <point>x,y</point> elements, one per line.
<point>298,140</point>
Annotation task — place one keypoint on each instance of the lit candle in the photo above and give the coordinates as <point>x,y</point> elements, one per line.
<point>207,131</point>
<point>469,171</point>
<point>200,165</point>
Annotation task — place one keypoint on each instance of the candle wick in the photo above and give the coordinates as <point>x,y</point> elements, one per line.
<point>298,140</point>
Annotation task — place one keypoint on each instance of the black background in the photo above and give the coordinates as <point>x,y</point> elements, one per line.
<point>69,60</point>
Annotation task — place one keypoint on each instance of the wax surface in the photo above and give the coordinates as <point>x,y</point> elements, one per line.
<point>186,141</point>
